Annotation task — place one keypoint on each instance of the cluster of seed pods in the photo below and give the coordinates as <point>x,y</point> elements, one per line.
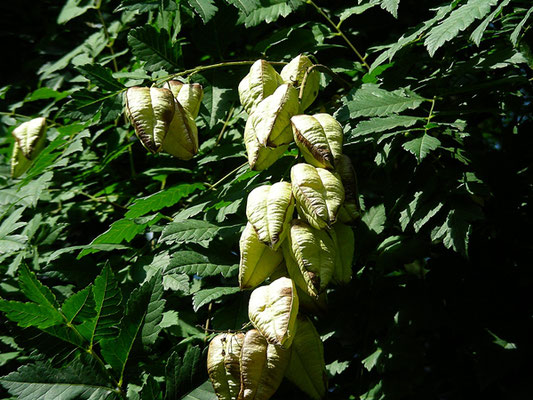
<point>299,256</point>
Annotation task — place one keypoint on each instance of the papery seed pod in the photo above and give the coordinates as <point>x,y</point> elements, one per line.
<point>223,364</point>
<point>270,120</point>
<point>258,84</point>
<point>294,72</point>
<point>181,140</point>
<point>260,157</point>
<point>150,111</point>
<point>262,367</point>
<point>189,95</point>
<point>350,210</point>
<point>344,240</point>
<point>30,138</point>
<point>319,137</point>
<point>310,257</point>
<point>307,368</point>
<point>273,309</point>
<point>319,194</point>
<point>269,209</point>
<point>258,261</point>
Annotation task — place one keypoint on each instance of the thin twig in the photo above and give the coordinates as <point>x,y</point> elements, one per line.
<point>213,187</point>
<point>219,138</point>
<point>107,36</point>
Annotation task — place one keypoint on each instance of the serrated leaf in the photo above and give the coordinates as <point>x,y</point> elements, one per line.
<point>176,282</point>
<point>154,48</point>
<point>35,290</point>
<point>101,77</point>
<point>371,361</point>
<point>80,306</point>
<point>143,314</point>
<point>100,247</point>
<point>11,224</point>
<point>30,314</point>
<point>375,125</point>
<point>180,372</point>
<point>73,9</point>
<point>162,199</point>
<point>216,101</point>
<point>245,6</point>
<point>269,12</point>
<point>375,218</point>
<point>151,390</point>
<point>41,381</point>
<point>422,146</point>
<point>193,263</point>
<point>85,104</point>
<point>190,231</point>
<point>519,27</point>
<point>391,6</point>
<point>337,367</point>
<point>370,100</point>
<point>355,10</point>
<point>203,297</point>
<point>477,34</point>
<point>203,392</point>
<point>206,9</point>
<point>458,21</point>
<point>419,212</point>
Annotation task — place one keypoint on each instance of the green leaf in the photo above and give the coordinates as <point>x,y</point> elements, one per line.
<point>206,9</point>
<point>176,282</point>
<point>151,390</point>
<point>419,211</point>
<point>193,263</point>
<point>375,218</point>
<point>217,103</point>
<point>458,21</point>
<point>375,125</point>
<point>35,290</point>
<point>370,100</point>
<point>85,104</point>
<point>30,314</point>
<point>180,372</point>
<point>337,367</point>
<point>391,6</point>
<point>269,12</point>
<point>245,6</point>
<point>41,381</point>
<point>143,313</point>
<point>371,361</point>
<point>100,76</point>
<point>73,9</point>
<point>203,392</point>
<point>46,93</point>
<point>355,10</point>
<point>162,199</point>
<point>477,34</point>
<point>421,146</point>
<point>154,48</point>
<point>519,27</point>
<point>80,306</point>
<point>190,231</point>
<point>203,297</point>
<point>99,247</point>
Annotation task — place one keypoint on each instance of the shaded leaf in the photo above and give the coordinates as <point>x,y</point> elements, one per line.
<point>193,263</point>
<point>30,314</point>
<point>206,9</point>
<point>154,48</point>
<point>101,77</point>
<point>422,146</point>
<point>180,372</point>
<point>519,27</point>
<point>375,218</point>
<point>190,231</point>
<point>107,298</point>
<point>80,306</point>
<point>205,296</point>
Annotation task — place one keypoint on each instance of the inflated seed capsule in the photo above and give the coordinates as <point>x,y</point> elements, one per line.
<point>258,84</point>
<point>260,157</point>
<point>294,73</point>
<point>181,140</point>
<point>350,211</point>
<point>30,138</point>
<point>189,95</point>
<point>223,364</point>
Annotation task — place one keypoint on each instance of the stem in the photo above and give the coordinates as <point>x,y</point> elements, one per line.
<point>430,115</point>
<point>219,138</point>
<point>337,28</point>
<point>100,200</point>
<point>227,176</point>
<point>106,34</point>
<point>12,114</point>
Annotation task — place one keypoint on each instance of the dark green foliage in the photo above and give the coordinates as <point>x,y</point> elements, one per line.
<point>116,264</point>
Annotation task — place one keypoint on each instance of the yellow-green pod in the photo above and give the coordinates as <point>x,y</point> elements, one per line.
<point>30,138</point>
<point>258,261</point>
<point>150,111</point>
<point>189,95</point>
<point>269,209</point>
<point>258,84</point>
<point>223,364</point>
<point>181,140</point>
<point>273,309</point>
<point>263,366</point>
<point>294,73</point>
<point>350,210</point>
<point>260,157</point>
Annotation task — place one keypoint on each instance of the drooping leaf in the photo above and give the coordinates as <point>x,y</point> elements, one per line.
<point>180,372</point>
<point>205,296</point>
<point>391,6</point>
<point>154,48</point>
<point>269,11</point>
<point>477,34</point>
<point>519,27</point>
<point>193,263</point>
<point>245,6</point>
<point>73,9</point>
<point>375,125</point>
<point>101,77</point>
<point>190,231</point>
<point>375,218</point>
<point>206,9</point>
<point>30,314</point>
<point>422,146</point>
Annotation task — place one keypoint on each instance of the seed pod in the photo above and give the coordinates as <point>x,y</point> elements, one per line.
<point>189,95</point>
<point>150,111</point>
<point>272,311</point>
<point>319,137</point>
<point>260,157</point>
<point>223,364</point>
<point>182,137</point>
<point>262,367</point>
<point>269,209</point>
<point>270,120</point>
<point>294,72</point>
<point>30,138</point>
<point>343,237</point>
<point>258,261</point>
<point>319,194</point>
<point>258,84</point>
<point>310,257</point>
<point>307,368</point>
<point>350,210</point>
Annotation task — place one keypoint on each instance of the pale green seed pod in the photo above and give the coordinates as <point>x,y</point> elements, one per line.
<point>307,368</point>
<point>319,194</point>
<point>223,364</point>
<point>294,73</point>
<point>350,211</point>
<point>258,84</point>
<point>273,309</point>
<point>150,111</point>
<point>269,209</point>
<point>343,237</point>
<point>260,157</point>
<point>30,138</point>
<point>181,140</point>
<point>271,119</point>
<point>319,138</point>
<point>258,261</point>
<point>310,257</point>
<point>189,95</point>
<point>262,367</point>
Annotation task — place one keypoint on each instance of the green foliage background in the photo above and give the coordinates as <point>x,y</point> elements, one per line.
<point>113,261</point>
